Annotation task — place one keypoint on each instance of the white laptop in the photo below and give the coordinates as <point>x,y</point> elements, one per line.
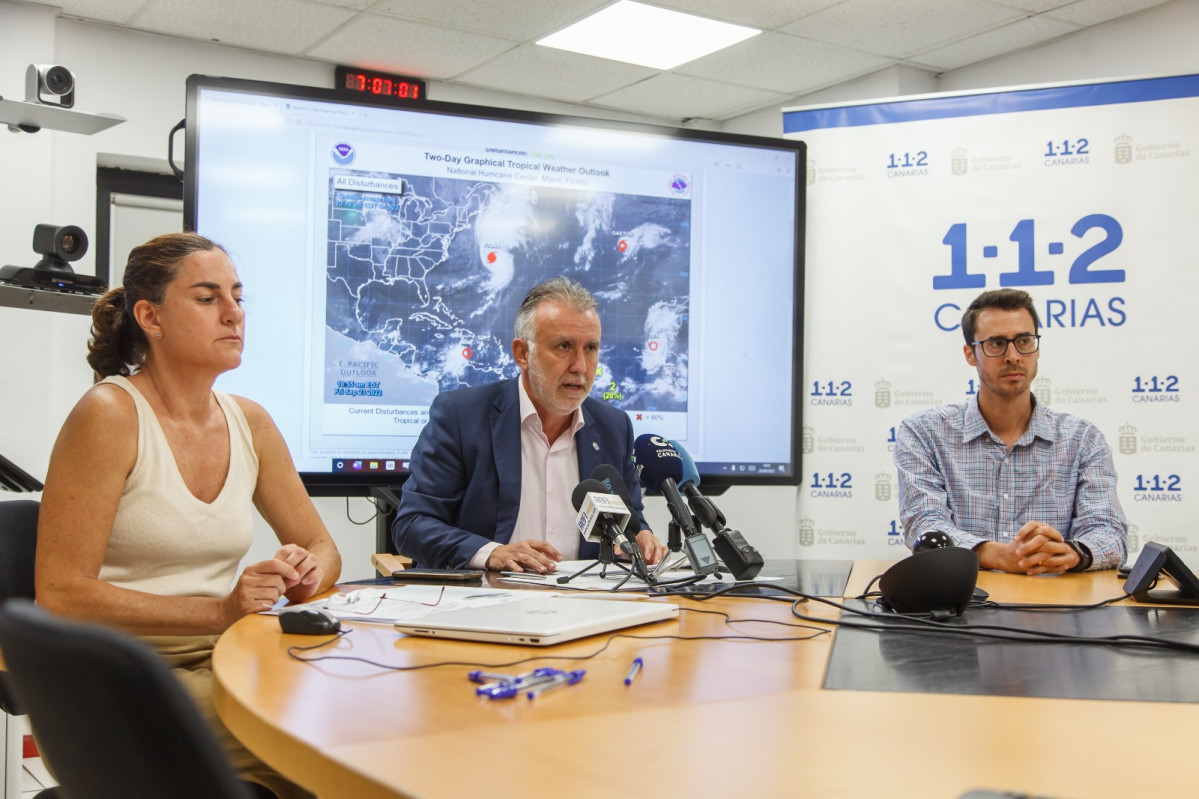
<point>538,621</point>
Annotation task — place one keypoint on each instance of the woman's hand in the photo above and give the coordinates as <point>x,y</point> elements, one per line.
<point>309,573</point>
<point>258,588</point>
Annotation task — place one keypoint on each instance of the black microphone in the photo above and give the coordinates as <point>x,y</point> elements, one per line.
<point>742,558</point>
<point>609,477</point>
<point>659,467</point>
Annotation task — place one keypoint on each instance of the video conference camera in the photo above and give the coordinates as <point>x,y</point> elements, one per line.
<point>50,84</point>
<point>50,104</point>
<point>57,246</point>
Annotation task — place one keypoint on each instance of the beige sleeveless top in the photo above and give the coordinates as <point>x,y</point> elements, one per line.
<point>165,541</point>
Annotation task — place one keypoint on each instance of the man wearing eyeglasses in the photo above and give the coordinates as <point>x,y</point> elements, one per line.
<point>1029,489</point>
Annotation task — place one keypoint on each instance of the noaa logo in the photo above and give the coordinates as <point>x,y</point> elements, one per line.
<point>342,153</point>
<point>680,186</point>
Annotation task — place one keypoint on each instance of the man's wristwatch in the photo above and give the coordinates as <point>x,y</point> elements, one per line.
<point>1085,558</point>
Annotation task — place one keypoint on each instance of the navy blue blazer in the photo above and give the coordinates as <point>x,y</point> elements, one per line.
<point>464,486</point>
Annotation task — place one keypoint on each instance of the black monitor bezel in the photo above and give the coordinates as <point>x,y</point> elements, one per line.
<point>360,484</point>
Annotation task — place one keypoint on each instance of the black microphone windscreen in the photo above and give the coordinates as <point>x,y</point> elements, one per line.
<point>613,482</point>
<point>656,461</point>
<point>610,477</point>
<point>584,488</point>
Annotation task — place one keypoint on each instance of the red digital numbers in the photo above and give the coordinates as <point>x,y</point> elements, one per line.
<point>381,85</point>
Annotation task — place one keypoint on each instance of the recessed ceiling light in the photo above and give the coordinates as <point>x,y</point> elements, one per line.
<point>647,35</point>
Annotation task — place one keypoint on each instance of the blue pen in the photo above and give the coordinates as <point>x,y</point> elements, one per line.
<point>499,690</point>
<point>563,678</point>
<point>538,675</point>
<point>634,670</point>
<point>488,676</point>
<point>506,689</point>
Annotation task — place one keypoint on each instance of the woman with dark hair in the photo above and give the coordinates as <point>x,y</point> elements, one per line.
<point>146,512</point>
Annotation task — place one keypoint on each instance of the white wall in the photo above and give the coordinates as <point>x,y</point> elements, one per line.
<point>888,82</point>
<point>1160,41</point>
<point>50,177</point>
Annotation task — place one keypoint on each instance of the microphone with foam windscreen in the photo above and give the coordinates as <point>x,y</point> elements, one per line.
<point>601,515</point>
<point>614,484</point>
<point>742,558</point>
<point>659,468</point>
<point>704,509</point>
<point>598,518</point>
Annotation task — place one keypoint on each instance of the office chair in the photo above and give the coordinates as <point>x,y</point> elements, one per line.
<point>18,546</point>
<point>109,715</point>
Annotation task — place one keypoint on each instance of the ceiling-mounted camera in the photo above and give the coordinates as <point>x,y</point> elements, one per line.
<point>49,103</point>
<point>50,84</point>
<point>58,246</point>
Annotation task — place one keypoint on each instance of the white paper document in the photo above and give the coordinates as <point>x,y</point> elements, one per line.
<point>392,603</point>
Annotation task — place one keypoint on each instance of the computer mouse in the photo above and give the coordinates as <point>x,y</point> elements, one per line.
<point>308,621</point>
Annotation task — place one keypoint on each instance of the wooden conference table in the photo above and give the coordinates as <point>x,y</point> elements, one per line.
<point>704,718</point>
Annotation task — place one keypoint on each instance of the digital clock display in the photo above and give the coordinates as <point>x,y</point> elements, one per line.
<point>379,84</point>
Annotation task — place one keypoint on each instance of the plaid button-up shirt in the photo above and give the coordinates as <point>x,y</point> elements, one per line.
<point>958,477</point>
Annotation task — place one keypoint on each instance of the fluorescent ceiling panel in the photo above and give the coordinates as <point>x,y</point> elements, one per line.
<point>647,35</point>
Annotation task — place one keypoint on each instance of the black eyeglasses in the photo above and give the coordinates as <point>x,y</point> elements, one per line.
<point>996,347</point>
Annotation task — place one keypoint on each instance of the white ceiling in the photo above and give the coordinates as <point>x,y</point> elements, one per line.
<point>807,45</point>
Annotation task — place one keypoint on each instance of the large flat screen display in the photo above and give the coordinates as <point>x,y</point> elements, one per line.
<point>385,251</point>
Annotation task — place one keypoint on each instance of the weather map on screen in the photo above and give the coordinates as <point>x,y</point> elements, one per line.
<point>423,271</point>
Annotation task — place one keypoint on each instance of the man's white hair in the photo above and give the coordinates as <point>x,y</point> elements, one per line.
<point>556,289</point>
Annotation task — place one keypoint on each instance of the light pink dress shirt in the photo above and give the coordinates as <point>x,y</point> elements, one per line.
<point>549,473</point>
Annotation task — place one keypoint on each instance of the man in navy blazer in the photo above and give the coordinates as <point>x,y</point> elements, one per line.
<point>466,502</point>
